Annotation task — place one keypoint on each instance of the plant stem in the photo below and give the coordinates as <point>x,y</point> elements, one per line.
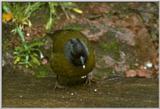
<point>66,14</point>
<point>21,34</point>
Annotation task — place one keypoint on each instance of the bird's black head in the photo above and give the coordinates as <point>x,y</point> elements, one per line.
<point>76,51</point>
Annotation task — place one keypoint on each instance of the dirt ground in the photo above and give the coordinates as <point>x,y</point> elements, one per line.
<point>21,90</point>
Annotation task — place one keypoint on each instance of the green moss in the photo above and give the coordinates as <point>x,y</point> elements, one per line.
<point>41,72</point>
<point>111,48</point>
<point>75,26</point>
<point>110,45</point>
<point>104,72</point>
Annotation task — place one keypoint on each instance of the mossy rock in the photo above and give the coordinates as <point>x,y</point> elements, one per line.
<point>110,45</point>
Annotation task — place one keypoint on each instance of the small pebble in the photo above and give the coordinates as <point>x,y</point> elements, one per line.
<point>44,61</point>
<point>145,67</point>
<point>72,16</point>
<point>83,66</point>
<point>141,67</point>
<point>95,90</point>
<point>72,94</point>
<point>148,65</point>
<point>156,67</point>
<point>131,73</point>
<point>136,64</point>
<point>28,34</point>
<point>20,96</point>
<point>81,100</point>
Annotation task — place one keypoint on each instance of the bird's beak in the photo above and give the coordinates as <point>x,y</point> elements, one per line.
<point>82,61</point>
<point>84,66</point>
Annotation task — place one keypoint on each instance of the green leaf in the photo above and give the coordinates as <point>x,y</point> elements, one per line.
<point>21,34</point>
<point>35,54</point>
<point>29,23</point>
<point>32,7</point>
<point>27,59</point>
<point>34,44</point>
<point>49,23</point>
<point>14,31</point>
<point>17,60</point>
<point>19,48</point>
<point>68,5</point>
<point>77,10</point>
<point>5,8</point>
<point>35,60</point>
<point>29,64</point>
<point>52,6</point>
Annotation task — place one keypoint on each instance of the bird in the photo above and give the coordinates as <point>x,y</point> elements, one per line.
<point>72,57</point>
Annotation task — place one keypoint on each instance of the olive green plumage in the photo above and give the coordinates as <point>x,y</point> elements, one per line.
<point>68,47</point>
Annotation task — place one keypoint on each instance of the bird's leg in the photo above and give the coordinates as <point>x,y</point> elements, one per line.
<point>57,85</point>
<point>90,79</point>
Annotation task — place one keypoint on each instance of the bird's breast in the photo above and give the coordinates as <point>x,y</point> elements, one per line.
<point>74,49</point>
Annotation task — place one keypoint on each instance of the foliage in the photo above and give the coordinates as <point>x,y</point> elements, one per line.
<point>66,7</point>
<point>52,15</point>
<point>22,11</point>
<point>27,53</point>
<point>7,15</point>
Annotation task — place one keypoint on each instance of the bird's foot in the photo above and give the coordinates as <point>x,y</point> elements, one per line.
<point>58,86</point>
<point>90,80</point>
